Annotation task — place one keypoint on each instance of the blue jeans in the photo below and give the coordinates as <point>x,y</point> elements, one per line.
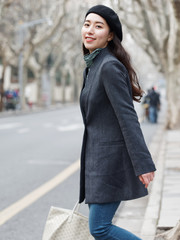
<point>100,223</point>
<point>153,114</point>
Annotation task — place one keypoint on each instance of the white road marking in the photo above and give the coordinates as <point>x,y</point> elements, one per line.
<point>23,130</point>
<point>9,126</point>
<point>69,127</point>
<point>26,201</point>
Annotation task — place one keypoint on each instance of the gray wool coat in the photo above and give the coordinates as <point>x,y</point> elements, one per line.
<point>114,152</point>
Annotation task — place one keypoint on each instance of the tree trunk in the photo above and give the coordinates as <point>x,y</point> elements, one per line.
<point>78,80</point>
<point>25,76</point>
<point>173,79</point>
<point>74,85</point>
<point>39,88</point>
<point>173,97</point>
<point>2,86</point>
<point>52,76</point>
<point>173,234</point>
<point>63,85</point>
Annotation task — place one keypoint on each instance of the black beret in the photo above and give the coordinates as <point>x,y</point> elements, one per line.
<point>111,18</point>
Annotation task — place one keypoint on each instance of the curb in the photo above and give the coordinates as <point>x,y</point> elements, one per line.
<point>157,149</point>
<point>16,113</point>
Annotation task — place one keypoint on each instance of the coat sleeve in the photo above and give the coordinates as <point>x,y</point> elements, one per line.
<point>116,81</point>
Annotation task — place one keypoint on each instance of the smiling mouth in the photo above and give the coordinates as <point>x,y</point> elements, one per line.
<point>89,39</point>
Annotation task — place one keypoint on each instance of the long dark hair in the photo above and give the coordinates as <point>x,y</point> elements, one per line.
<point>117,50</point>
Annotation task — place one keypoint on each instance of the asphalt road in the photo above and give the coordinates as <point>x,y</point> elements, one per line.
<point>34,148</point>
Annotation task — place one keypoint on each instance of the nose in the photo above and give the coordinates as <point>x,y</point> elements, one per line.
<point>90,29</point>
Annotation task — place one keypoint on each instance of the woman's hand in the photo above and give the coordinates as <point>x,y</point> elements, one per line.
<point>146,178</point>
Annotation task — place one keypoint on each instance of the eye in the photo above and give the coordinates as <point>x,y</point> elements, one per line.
<point>98,26</point>
<point>86,24</point>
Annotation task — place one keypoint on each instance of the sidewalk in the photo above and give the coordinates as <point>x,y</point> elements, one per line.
<point>170,203</point>
<point>160,210</point>
<point>34,109</point>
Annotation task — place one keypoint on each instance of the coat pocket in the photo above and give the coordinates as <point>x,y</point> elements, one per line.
<point>109,159</point>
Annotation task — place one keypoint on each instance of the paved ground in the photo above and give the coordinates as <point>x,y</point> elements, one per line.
<point>36,146</point>
<point>137,216</point>
<point>170,204</point>
<point>159,211</point>
<point>34,149</point>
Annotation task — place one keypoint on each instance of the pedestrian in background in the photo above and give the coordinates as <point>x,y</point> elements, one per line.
<point>145,104</point>
<point>115,162</point>
<point>154,105</point>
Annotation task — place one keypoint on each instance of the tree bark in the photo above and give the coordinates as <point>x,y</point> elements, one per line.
<point>52,76</point>
<point>156,29</point>
<point>38,75</point>
<point>23,87</point>
<point>173,77</point>
<point>173,234</point>
<point>2,85</point>
<point>173,98</point>
<point>63,85</point>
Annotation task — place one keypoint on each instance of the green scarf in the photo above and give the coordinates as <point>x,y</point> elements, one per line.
<point>90,57</point>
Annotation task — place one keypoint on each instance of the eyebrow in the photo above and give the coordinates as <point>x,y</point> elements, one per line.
<point>95,22</point>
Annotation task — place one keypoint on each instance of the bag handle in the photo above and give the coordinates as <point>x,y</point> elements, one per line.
<point>75,209</point>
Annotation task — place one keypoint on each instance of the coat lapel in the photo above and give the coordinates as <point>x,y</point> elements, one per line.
<point>89,78</point>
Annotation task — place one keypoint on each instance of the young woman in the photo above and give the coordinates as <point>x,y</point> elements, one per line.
<point>115,162</point>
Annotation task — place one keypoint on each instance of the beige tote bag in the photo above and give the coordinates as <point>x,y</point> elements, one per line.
<point>64,224</point>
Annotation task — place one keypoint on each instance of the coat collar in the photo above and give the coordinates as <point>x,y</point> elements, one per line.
<point>105,51</point>
<point>98,59</point>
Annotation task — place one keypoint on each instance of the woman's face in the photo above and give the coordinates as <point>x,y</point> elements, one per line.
<point>95,32</point>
